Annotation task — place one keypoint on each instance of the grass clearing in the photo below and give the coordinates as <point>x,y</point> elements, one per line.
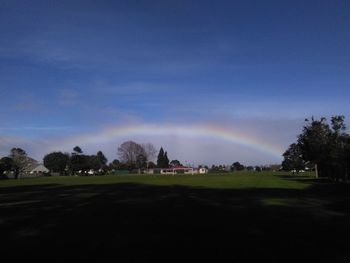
<point>235,180</point>
<point>140,218</point>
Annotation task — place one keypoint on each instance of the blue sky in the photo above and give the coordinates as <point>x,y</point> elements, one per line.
<point>76,67</point>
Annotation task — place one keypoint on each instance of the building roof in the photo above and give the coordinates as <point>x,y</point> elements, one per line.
<point>40,169</point>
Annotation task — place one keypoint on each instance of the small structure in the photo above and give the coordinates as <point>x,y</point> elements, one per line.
<point>39,170</point>
<point>178,169</point>
<point>203,170</point>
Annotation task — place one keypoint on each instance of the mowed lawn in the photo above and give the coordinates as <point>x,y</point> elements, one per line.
<point>217,180</point>
<point>275,217</point>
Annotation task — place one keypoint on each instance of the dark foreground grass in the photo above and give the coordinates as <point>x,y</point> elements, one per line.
<point>220,218</point>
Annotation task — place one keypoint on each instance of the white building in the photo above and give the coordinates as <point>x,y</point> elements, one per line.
<point>39,170</point>
<point>203,170</point>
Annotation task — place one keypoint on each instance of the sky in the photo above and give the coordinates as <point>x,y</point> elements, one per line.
<point>210,81</point>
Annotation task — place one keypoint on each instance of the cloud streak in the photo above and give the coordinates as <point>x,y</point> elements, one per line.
<point>68,97</point>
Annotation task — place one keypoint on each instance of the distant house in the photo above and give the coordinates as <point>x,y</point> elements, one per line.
<point>30,168</point>
<point>28,165</point>
<point>39,170</point>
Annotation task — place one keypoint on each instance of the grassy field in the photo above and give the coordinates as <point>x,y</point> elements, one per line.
<point>275,217</point>
<point>219,180</point>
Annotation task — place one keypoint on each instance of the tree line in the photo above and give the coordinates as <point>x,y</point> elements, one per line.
<point>323,145</point>
<point>131,156</point>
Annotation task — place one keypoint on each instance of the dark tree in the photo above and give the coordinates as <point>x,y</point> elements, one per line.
<point>79,162</point>
<point>6,164</point>
<point>237,166</point>
<point>93,162</point>
<point>314,141</point>
<point>293,158</point>
<point>128,153</point>
<point>77,150</point>
<point>326,146</point>
<point>257,168</point>
<point>102,159</point>
<point>336,164</point>
<point>56,161</point>
<point>175,163</point>
<point>115,164</point>
<point>338,125</point>
<point>160,159</point>
<point>17,152</point>
<point>347,157</point>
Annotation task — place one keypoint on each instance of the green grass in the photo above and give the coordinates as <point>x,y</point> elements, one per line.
<point>229,217</point>
<point>237,180</point>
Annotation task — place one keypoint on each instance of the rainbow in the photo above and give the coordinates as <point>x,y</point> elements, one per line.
<point>189,131</point>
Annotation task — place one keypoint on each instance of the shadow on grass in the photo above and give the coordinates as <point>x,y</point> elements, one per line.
<point>143,223</point>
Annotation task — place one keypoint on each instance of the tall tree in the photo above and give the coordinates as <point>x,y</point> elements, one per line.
<point>237,166</point>
<point>94,162</point>
<point>102,158</point>
<point>129,151</point>
<point>150,151</point>
<point>314,141</point>
<point>293,158</point>
<point>21,160</point>
<point>77,150</point>
<point>326,146</point>
<point>337,164</point>
<point>6,164</point>
<point>79,162</point>
<point>56,161</point>
<point>17,152</point>
<point>160,159</point>
<point>115,164</point>
<point>338,124</point>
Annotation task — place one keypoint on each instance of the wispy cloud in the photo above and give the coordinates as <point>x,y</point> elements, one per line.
<point>36,128</point>
<point>38,48</point>
<point>68,97</point>
<point>28,102</point>
<point>131,88</point>
<point>104,115</point>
